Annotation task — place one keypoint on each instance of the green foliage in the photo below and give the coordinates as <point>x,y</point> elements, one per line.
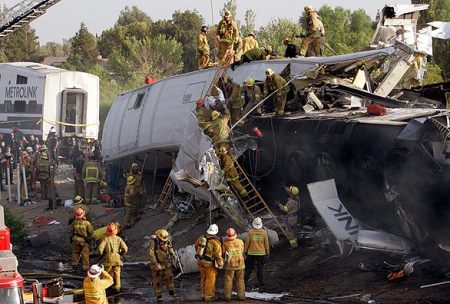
<point>231,6</point>
<point>134,15</point>
<point>249,23</point>
<point>22,45</point>
<point>52,49</point>
<point>83,50</point>
<point>16,226</point>
<point>433,74</point>
<point>274,33</point>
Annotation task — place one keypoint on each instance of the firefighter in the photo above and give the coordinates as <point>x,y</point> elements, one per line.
<point>234,100</point>
<point>227,36</point>
<point>25,162</point>
<point>95,285</point>
<point>80,203</point>
<point>130,202</point>
<point>209,256</point>
<point>237,50</point>
<point>314,32</point>
<point>259,53</point>
<point>257,249</point>
<point>43,174</point>
<point>81,231</point>
<point>112,249</point>
<point>233,248</point>
<point>92,174</point>
<point>162,257</point>
<point>231,174</point>
<point>275,82</point>
<point>291,208</point>
<point>203,114</point>
<point>139,190</point>
<point>252,96</point>
<point>220,129</point>
<point>78,164</point>
<point>291,49</point>
<point>203,48</point>
<point>249,42</point>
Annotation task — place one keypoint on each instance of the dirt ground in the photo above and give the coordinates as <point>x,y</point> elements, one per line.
<point>307,273</point>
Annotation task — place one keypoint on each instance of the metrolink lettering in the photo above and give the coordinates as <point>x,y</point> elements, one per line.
<point>21,92</point>
<point>345,216</point>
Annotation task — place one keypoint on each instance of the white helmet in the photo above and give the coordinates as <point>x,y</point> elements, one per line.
<point>213,229</point>
<point>29,149</point>
<point>94,271</point>
<point>257,223</point>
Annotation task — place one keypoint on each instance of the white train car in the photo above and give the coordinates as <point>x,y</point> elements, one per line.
<point>35,97</point>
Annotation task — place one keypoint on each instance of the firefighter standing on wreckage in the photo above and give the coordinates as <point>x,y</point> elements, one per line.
<point>203,48</point>
<point>291,208</point>
<point>162,257</point>
<point>209,256</point>
<point>314,32</point>
<point>227,36</point>
<point>272,83</point>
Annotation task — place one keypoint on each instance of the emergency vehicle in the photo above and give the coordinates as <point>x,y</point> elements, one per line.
<point>35,97</point>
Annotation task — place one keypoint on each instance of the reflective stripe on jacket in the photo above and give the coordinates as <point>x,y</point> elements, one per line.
<point>257,242</point>
<point>234,254</point>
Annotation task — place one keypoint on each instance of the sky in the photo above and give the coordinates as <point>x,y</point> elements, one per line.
<point>63,19</point>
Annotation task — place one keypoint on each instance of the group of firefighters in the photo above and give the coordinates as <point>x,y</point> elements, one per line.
<point>233,48</point>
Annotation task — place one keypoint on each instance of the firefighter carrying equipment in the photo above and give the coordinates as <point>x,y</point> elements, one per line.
<point>294,190</point>
<point>162,234</point>
<point>201,247</point>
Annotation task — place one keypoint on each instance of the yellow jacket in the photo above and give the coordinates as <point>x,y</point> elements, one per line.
<point>202,44</point>
<point>94,289</point>
<point>113,248</point>
<point>234,254</point>
<point>257,242</point>
<point>249,43</point>
<point>160,253</point>
<point>213,252</point>
<point>81,230</point>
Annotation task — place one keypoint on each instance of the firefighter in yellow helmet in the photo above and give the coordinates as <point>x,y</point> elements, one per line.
<point>231,174</point>
<point>95,285</point>
<point>291,208</point>
<point>233,91</point>
<point>227,36</point>
<point>203,114</point>
<point>162,255</point>
<point>249,42</point>
<point>81,231</point>
<point>112,249</point>
<point>203,48</point>
<point>130,202</point>
<point>138,188</point>
<point>252,96</point>
<point>220,129</point>
<point>233,247</point>
<point>92,174</point>
<point>43,174</point>
<point>275,82</point>
<point>314,33</point>
<point>209,256</point>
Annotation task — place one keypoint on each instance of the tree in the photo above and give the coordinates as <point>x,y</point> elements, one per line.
<point>273,33</point>
<point>22,45</point>
<point>83,50</point>
<point>134,15</point>
<point>52,49</point>
<point>249,23</point>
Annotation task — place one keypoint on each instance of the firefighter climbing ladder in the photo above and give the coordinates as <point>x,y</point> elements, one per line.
<point>22,14</point>
<point>254,204</point>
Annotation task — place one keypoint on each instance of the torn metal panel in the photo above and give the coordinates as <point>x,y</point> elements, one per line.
<point>382,241</point>
<point>402,9</point>
<point>326,200</point>
<point>257,69</point>
<point>442,30</point>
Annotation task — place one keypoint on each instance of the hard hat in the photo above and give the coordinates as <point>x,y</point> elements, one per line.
<point>44,155</point>
<point>200,102</point>
<point>231,234</point>
<point>130,180</point>
<point>268,49</point>
<point>52,130</point>
<point>134,166</point>
<point>227,13</point>
<point>204,28</point>
<point>29,149</point>
<point>309,8</point>
<point>24,153</point>
<point>293,190</point>
<point>215,114</point>
<point>251,34</point>
<point>213,229</point>
<point>223,150</point>
<point>103,184</point>
<point>269,72</point>
<point>43,148</point>
<point>249,82</point>
<point>162,234</point>
<point>111,229</point>
<point>257,223</point>
<point>79,213</point>
<point>286,40</point>
<point>94,271</point>
<point>78,199</point>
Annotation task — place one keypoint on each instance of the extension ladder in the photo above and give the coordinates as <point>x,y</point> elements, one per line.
<point>166,193</point>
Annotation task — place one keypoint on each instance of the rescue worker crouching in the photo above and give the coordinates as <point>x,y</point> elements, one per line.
<point>233,247</point>
<point>275,82</point>
<point>112,249</point>
<point>130,203</point>
<point>257,248</point>
<point>162,255</point>
<point>209,256</point>
<point>81,231</point>
<point>252,96</point>
<point>95,285</point>
<point>291,208</point>
<point>92,174</point>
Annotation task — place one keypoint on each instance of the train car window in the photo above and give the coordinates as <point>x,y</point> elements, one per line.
<point>8,106</point>
<point>21,79</point>
<point>138,101</point>
<point>20,106</point>
<point>32,106</point>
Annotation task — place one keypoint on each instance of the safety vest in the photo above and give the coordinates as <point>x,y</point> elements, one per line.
<point>80,230</point>
<point>92,173</point>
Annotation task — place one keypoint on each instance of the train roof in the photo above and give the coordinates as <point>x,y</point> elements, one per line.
<point>32,68</point>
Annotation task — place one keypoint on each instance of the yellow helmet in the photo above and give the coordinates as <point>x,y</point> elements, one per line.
<point>44,155</point>
<point>43,148</point>
<point>269,72</point>
<point>134,166</point>
<point>223,150</point>
<point>249,82</point>
<point>309,8</point>
<point>130,180</point>
<point>268,49</point>
<point>78,199</point>
<point>215,114</point>
<point>162,234</point>
<point>227,13</point>
<point>294,190</point>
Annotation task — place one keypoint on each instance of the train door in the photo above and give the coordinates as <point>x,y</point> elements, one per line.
<point>73,112</point>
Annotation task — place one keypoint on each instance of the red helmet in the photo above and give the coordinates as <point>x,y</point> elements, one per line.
<point>111,229</point>
<point>79,213</point>
<point>200,103</point>
<point>231,234</point>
